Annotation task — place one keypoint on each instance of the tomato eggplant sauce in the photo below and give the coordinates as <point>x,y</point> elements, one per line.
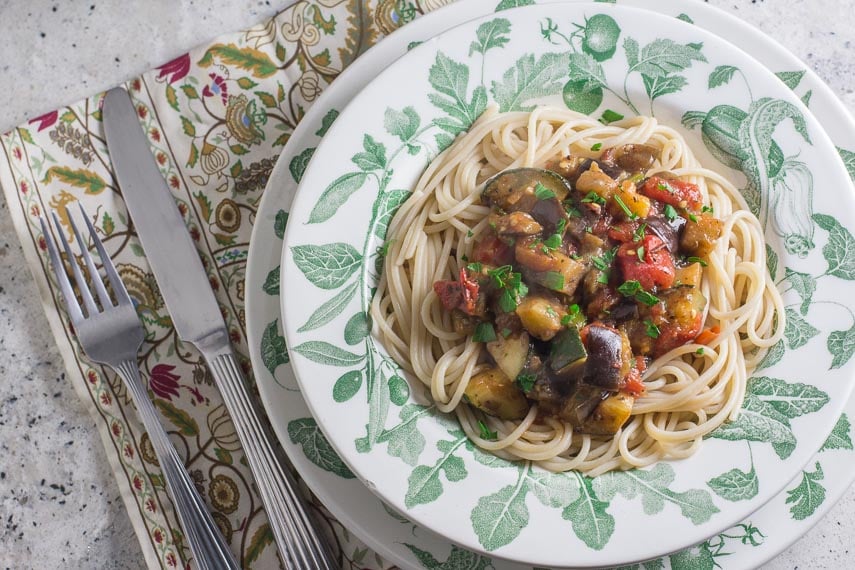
<point>589,269</point>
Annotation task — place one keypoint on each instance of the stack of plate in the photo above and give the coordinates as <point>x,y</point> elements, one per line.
<point>358,432</point>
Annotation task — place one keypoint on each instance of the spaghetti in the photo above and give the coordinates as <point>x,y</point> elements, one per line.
<point>688,391</point>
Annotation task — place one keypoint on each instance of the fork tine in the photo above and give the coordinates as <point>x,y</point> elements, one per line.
<point>88,301</point>
<point>103,296</point>
<point>71,304</point>
<point>115,281</point>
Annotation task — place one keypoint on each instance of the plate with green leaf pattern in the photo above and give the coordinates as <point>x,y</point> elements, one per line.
<point>417,460</point>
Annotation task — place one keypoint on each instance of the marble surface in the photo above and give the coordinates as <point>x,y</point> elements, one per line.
<point>59,506</point>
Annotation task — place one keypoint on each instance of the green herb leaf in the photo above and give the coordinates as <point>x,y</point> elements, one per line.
<point>526,382</point>
<point>542,192</point>
<point>475,267</point>
<point>640,253</point>
<point>593,197</point>
<point>651,329</point>
<point>553,280</point>
<point>597,147</point>
<point>486,432</point>
<point>648,299</point>
<point>693,217</point>
<point>624,207</point>
<point>638,234</point>
<point>610,116</point>
<point>670,213</point>
<point>484,332</point>
<point>629,288</point>
<point>693,259</point>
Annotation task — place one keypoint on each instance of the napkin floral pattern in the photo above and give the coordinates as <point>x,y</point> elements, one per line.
<point>216,118</point>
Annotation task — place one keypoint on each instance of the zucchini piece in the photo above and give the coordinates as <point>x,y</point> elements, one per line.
<point>689,275</point>
<point>609,416</point>
<point>566,348</point>
<point>510,353</point>
<point>507,189</point>
<point>494,393</point>
<point>540,316</point>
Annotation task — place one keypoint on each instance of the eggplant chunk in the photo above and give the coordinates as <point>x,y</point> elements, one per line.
<point>570,167</point>
<point>689,275</point>
<point>698,237</point>
<point>494,393</point>
<point>541,316</point>
<point>609,357</point>
<point>608,417</point>
<point>510,353</point>
<point>596,181</point>
<point>531,254</point>
<point>635,157</point>
<point>515,224</point>
<point>514,190</point>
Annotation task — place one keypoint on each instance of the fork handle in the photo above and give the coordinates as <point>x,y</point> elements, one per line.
<point>300,544</point>
<point>210,550</point>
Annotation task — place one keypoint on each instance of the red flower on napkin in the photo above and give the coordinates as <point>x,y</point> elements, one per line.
<point>163,382</point>
<point>176,69</point>
<point>46,120</point>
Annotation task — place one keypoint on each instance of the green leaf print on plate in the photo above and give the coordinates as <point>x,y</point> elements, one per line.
<point>808,495</point>
<point>318,450</point>
<point>273,349</point>
<point>327,266</point>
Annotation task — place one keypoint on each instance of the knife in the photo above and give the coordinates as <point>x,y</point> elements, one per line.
<point>197,319</point>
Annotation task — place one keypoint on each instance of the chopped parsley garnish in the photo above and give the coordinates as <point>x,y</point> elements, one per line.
<point>526,381</point>
<point>694,259</point>
<point>670,212</point>
<point>475,267</point>
<point>574,316</point>
<point>603,278</point>
<point>572,211</point>
<point>593,197</point>
<point>470,233</point>
<point>511,285</point>
<point>648,299</point>
<point>694,218</point>
<point>554,241</point>
<point>465,258</point>
<point>624,207</point>
<point>665,187</point>
<point>638,234</point>
<point>700,351</point>
<point>486,433</point>
<point>551,312</point>
<point>604,262</point>
<point>707,209</point>
<point>640,253</point>
<point>542,192</point>
<point>484,332</point>
<point>634,289</point>
<point>506,332</point>
<point>553,280</point>
<point>597,147</point>
<point>651,329</point>
<point>610,116</point>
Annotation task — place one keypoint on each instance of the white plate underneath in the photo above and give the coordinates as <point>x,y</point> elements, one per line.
<point>767,532</point>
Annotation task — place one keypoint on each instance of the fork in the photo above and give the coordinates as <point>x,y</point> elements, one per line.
<point>112,335</point>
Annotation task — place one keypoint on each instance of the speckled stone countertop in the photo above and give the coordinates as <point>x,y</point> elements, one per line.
<point>59,505</point>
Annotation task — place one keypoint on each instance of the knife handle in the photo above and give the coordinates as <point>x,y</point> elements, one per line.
<point>300,543</point>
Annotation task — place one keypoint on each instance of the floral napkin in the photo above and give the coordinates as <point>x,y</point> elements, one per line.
<point>216,118</point>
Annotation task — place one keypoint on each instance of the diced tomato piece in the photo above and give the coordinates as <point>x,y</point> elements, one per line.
<point>655,268</point>
<point>623,231</point>
<point>632,384</point>
<point>708,335</point>
<point>492,250</point>
<point>462,294</point>
<point>678,193</point>
<point>672,335</point>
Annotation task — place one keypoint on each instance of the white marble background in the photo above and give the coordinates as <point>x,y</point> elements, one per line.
<point>59,506</point>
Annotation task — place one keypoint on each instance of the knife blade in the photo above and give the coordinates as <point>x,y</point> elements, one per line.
<point>197,318</point>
